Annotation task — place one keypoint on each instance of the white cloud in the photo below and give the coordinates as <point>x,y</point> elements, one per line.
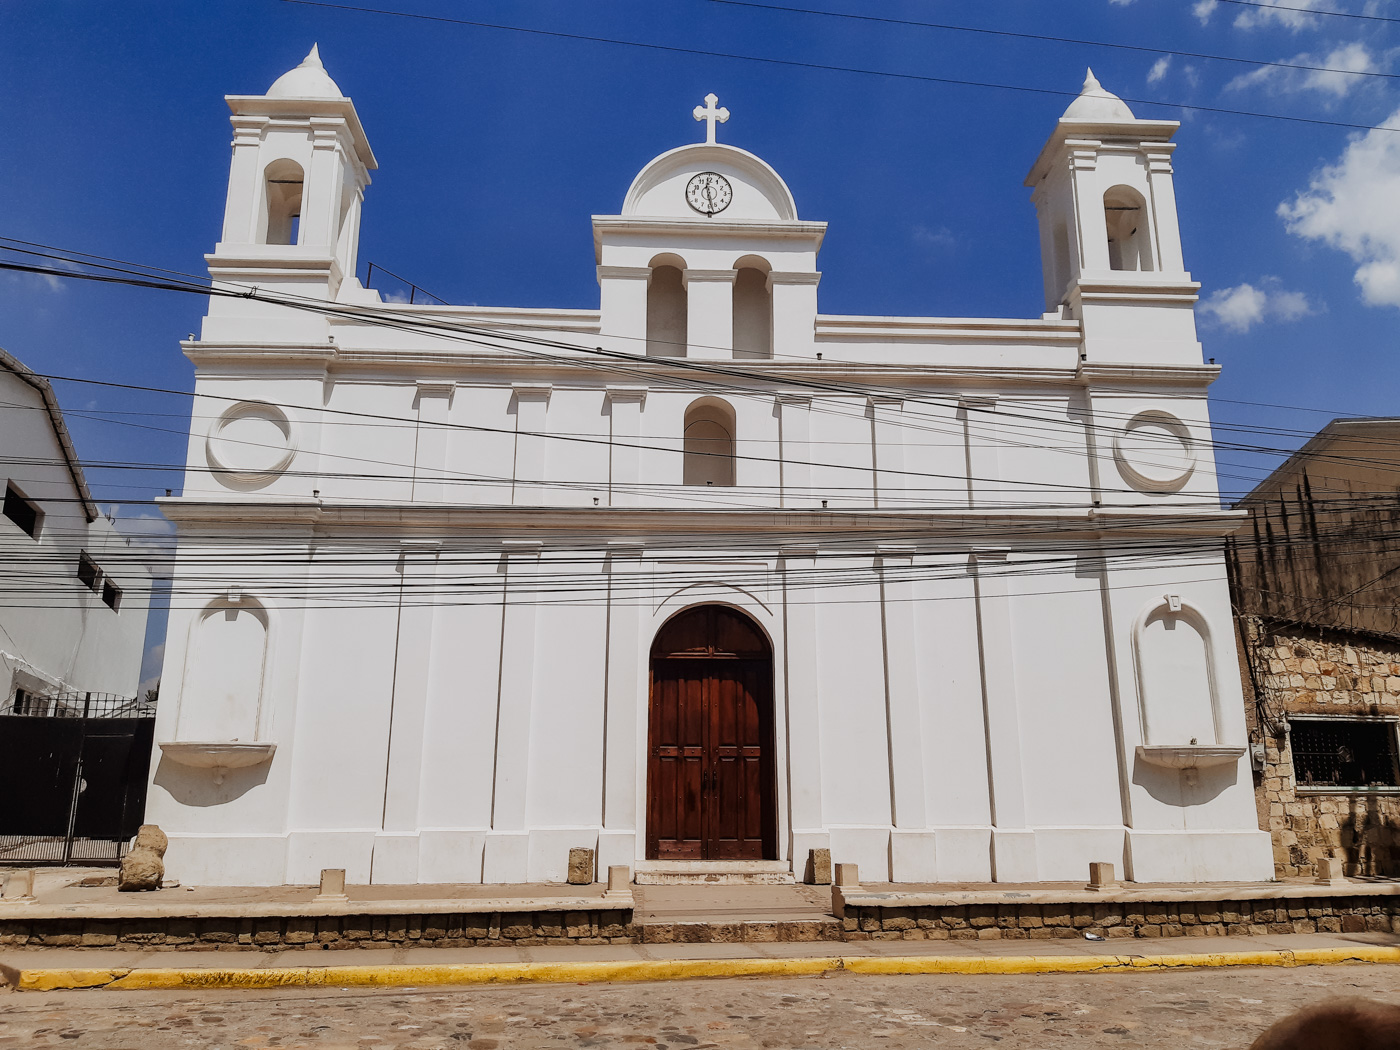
<point>1348,57</point>
<point>1159,69</point>
<point>933,236</point>
<point>1203,9</point>
<point>1354,206</point>
<point>1242,307</point>
<point>1121,3</point>
<point>1284,13</point>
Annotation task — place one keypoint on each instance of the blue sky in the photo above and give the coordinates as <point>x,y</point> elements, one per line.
<point>495,148</point>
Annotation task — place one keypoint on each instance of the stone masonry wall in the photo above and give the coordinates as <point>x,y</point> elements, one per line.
<point>1302,670</point>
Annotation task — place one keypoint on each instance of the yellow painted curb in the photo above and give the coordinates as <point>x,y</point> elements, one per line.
<point>666,970</point>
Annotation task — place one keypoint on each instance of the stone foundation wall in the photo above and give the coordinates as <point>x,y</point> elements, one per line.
<point>1299,670</point>
<point>349,931</point>
<point>1110,920</point>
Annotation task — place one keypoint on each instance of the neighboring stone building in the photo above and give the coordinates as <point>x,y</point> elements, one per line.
<point>1316,581</point>
<point>73,590</point>
<point>703,576</point>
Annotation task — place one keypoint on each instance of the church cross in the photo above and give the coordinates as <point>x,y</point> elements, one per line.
<point>709,114</point>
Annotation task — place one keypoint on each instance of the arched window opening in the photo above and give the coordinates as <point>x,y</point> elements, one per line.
<point>283,192</point>
<point>753,310</point>
<point>1125,215</point>
<point>709,443</point>
<point>666,308</point>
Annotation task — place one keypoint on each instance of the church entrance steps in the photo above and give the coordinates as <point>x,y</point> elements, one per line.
<point>712,872</point>
<point>730,913</point>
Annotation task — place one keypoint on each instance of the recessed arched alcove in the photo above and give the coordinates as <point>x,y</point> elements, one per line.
<point>1176,676</point>
<point>709,443</point>
<point>225,668</point>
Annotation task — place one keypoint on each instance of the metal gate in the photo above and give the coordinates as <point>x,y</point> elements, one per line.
<point>73,773</point>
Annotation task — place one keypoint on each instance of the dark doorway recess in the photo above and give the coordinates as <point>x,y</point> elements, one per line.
<point>711,789</point>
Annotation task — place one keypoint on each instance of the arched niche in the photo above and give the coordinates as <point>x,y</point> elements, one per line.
<point>667,308</point>
<point>283,185</point>
<point>1178,692</point>
<point>1125,215</point>
<point>221,697</point>
<point>753,309</point>
<point>709,443</point>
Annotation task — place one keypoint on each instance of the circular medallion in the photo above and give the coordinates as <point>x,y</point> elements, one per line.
<point>1155,452</point>
<point>251,442</point>
<point>709,193</point>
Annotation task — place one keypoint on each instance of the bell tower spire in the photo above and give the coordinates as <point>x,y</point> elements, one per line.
<point>300,166</point>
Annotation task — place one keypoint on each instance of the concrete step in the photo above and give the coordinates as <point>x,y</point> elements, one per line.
<point>739,931</point>
<point>714,872</point>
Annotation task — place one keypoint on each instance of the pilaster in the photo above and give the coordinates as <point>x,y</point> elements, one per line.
<point>1013,844</point>
<point>794,450</point>
<point>710,316</point>
<point>802,701</point>
<point>430,449</point>
<point>887,450</point>
<point>625,405</point>
<point>794,297</point>
<point>625,698</point>
<point>531,444</point>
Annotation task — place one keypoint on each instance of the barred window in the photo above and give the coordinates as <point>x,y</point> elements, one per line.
<point>1344,754</point>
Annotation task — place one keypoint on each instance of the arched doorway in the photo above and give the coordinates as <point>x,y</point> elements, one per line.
<point>711,789</point>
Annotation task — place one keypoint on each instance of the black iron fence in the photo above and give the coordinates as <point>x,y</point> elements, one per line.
<point>73,770</point>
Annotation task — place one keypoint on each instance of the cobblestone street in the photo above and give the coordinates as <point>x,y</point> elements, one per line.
<point>1206,1008</point>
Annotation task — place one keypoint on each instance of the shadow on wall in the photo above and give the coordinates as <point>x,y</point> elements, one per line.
<point>1173,787</point>
<point>195,787</point>
<point>1370,836</point>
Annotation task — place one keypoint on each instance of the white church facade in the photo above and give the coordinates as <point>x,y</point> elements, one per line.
<point>703,577</point>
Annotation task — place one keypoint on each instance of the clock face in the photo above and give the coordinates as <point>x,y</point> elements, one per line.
<point>709,193</point>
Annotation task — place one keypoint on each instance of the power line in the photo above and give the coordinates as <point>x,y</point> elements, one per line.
<point>1052,39</point>
<point>1309,10</point>
<point>797,64</point>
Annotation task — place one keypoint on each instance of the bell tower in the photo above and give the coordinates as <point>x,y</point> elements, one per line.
<point>1109,237</point>
<point>300,166</point>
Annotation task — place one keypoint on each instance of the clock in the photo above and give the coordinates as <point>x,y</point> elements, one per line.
<point>709,193</point>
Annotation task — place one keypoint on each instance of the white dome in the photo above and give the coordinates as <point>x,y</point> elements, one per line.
<point>308,80</point>
<point>1094,103</point>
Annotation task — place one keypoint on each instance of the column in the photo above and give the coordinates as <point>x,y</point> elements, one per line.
<point>624,465</point>
<point>1013,845</point>
<point>320,202</point>
<point>1088,205</point>
<point>802,702</point>
<point>912,854</point>
<point>710,313</point>
<point>1166,228</point>
<point>794,313</point>
<point>396,846</point>
<point>531,444</point>
<point>794,450</point>
<point>506,856</point>
<point>625,704</point>
<point>887,453</point>
<point>983,461</point>
<point>244,181</point>
<point>430,451</point>
<point>623,308</point>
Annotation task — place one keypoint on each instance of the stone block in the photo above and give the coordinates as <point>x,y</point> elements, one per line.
<point>514,929</point>
<point>300,931</point>
<point>581,866</point>
<point>549,924</point>
<point>847,876</point>
<point>267,931</point>
<point>980,916</point>
<point>1101,876</point>
<point>218,931</point>
<point>990,933</point>
<point>897,919</point>
<point>761,931</point>
<point>1057,915</point>
<point>332,886</point>
<point>658,933</point>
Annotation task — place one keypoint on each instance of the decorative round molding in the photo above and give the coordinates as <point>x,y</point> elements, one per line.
<point>1155,452</point>
<point>251,442</point>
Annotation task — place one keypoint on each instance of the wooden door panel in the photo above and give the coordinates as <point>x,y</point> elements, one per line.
<point>710,776</point>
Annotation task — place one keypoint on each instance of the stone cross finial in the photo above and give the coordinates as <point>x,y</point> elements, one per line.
<point>710,115</point>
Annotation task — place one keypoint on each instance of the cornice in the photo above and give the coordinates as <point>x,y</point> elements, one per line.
<point>1138,375</point>
<point>850,328</point>
<point>937,529</point>
<point>303,109</point>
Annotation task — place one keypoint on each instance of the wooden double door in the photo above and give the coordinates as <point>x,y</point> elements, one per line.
<point>711,789</point>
